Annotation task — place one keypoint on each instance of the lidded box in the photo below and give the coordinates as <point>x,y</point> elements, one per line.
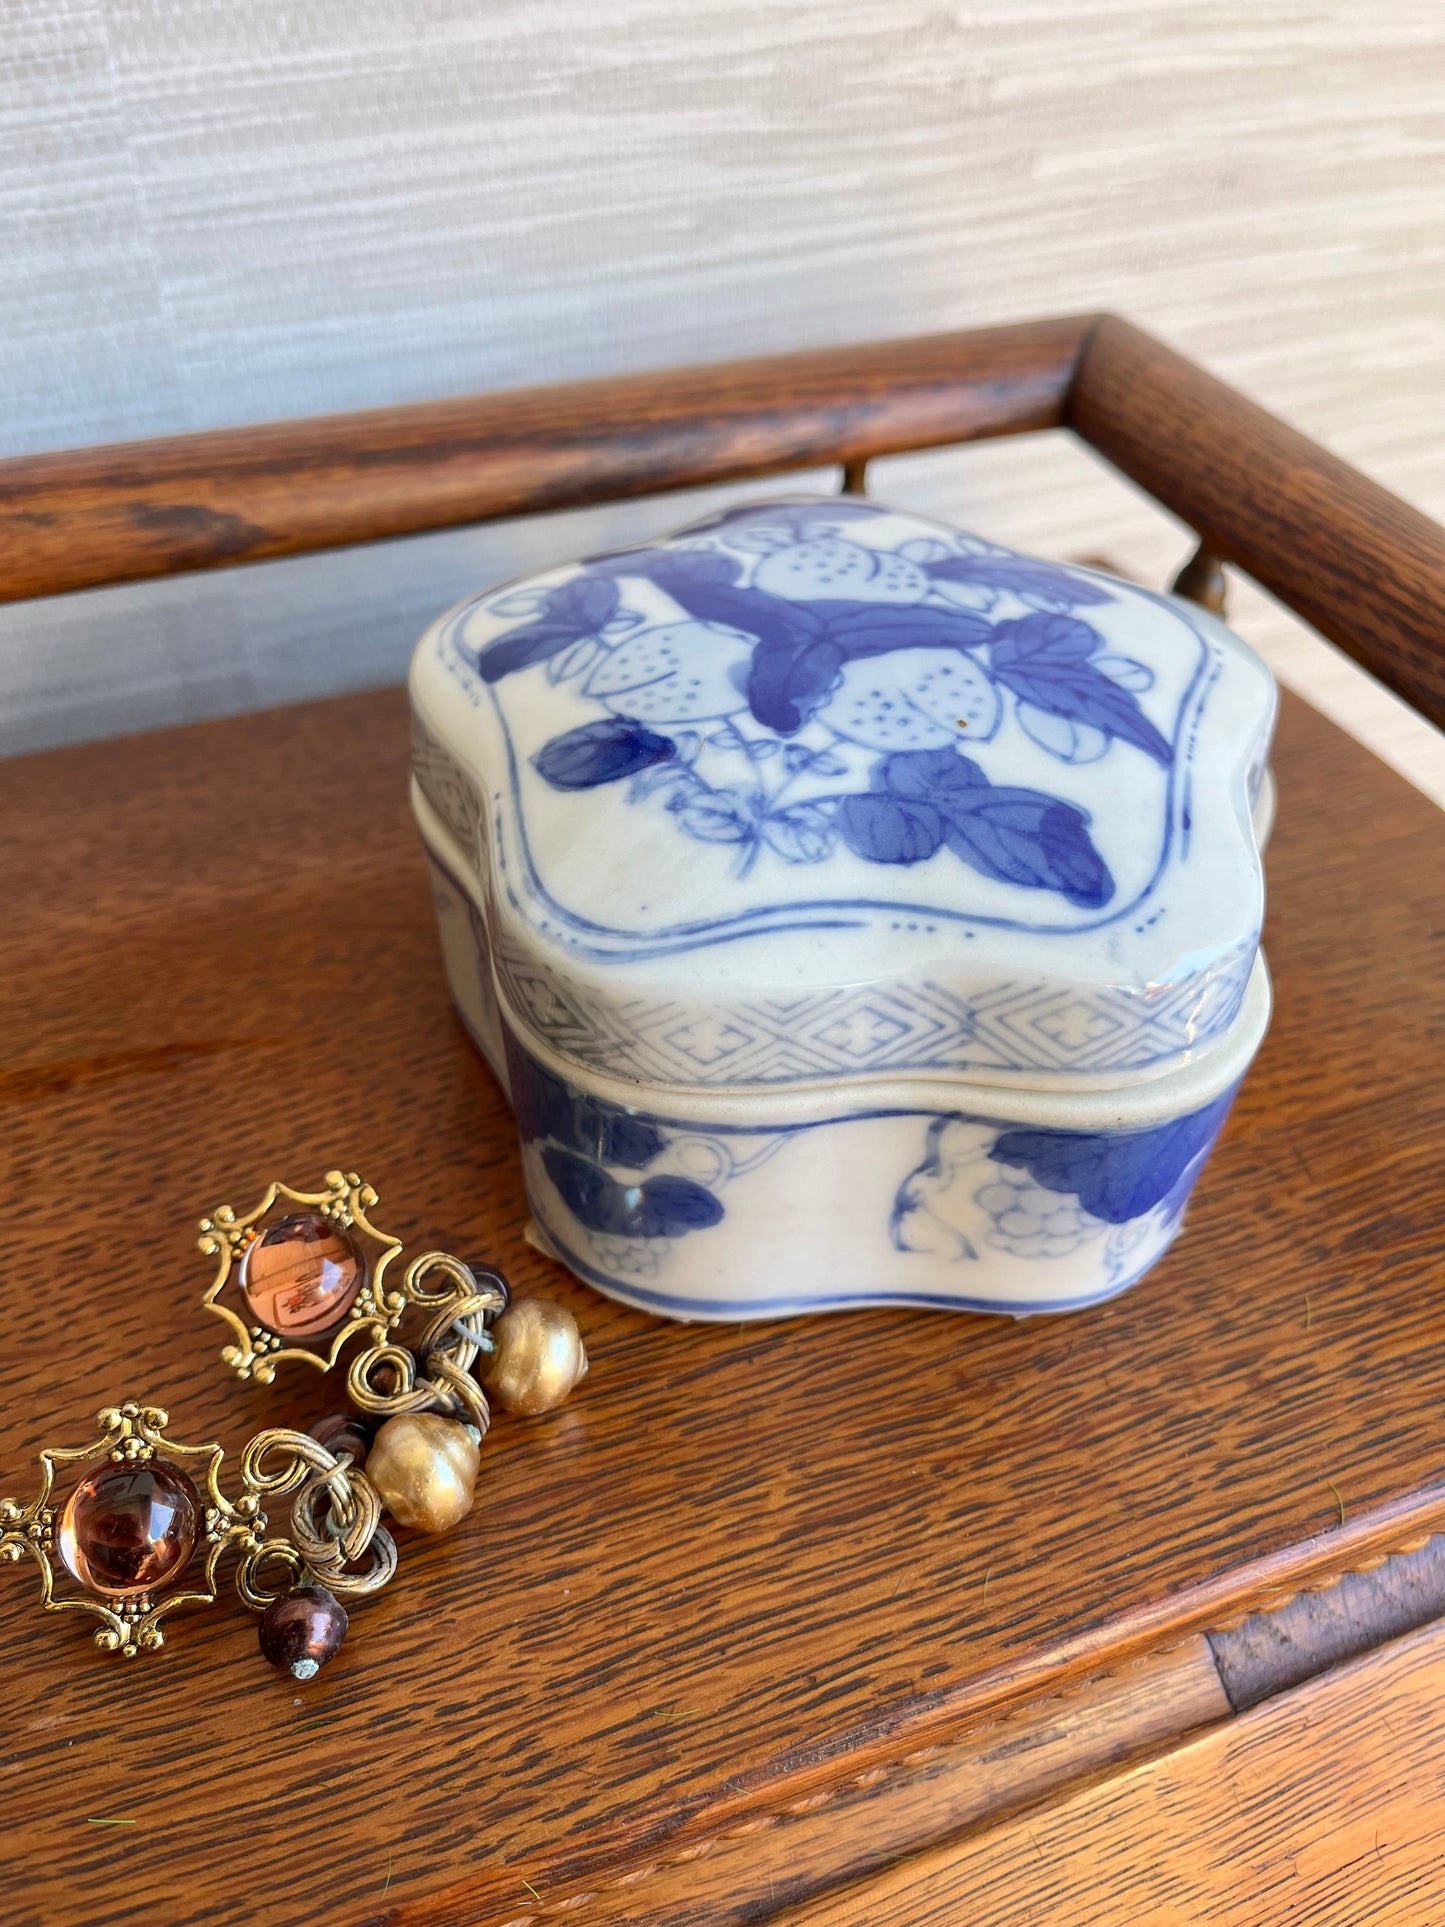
<point>856,912</point>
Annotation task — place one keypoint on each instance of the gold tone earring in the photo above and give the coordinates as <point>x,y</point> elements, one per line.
<point>130,1530</point>
<point>311,1273</point>
<point>320,1273</point>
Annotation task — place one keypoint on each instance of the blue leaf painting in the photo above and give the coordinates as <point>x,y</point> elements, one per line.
<point>672,1205</point>
<point>800,833</point>
<point>717,816</point>
<point>790,681</point>
<point>1044,660</point>
<point>1044,580</point>
<point>1016,835</point>
<point>602,752</point>
<point>594,1199</point>
<point>877,628</point>
<point>927,773</point>
<point>581,1134</point>
<point>1115,1176</point>
<point>1024,837</point>
<point>666,1207</point>
<point>1044,643</point>
<point>579,608</point>
<point>890,829</point>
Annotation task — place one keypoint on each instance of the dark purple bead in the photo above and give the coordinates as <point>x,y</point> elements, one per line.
<point>302,1629</point>
<point>345,1432</point>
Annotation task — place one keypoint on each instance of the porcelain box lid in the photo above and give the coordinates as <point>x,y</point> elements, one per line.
<point>816,790</point>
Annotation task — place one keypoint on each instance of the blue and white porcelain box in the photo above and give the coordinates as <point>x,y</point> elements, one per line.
<point>856,912</point>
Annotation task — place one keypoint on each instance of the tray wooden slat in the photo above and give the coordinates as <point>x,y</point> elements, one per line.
<point>85,517</point>
<point>1252,1822</point>
<point>1362,566</point>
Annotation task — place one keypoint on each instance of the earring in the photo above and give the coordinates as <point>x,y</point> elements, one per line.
<point>130,1530</point>
<point>317,1269</point>
<point>306,1266</point>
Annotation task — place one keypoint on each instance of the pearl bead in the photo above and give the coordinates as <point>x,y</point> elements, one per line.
<point>425,1468</point>
<point>539,1356</point>
<point>302,1629</point>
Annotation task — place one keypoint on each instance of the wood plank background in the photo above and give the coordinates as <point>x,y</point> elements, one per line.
<point>234,212</point>
<point>1251,1822</point>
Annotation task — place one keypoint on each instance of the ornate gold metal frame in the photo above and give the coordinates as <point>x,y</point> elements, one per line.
<point>335,1522</point>
<point>225,1235</point>
<point>127,1434</point>
<point>383,1379</point>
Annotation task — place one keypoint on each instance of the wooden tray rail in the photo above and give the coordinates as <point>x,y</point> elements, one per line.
<point>1366,569</point>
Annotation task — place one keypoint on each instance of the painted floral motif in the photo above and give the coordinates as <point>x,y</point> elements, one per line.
<point>807,692</point>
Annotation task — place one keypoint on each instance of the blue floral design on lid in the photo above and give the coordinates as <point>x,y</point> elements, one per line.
<point>977,811</point>
<point>892,652</point>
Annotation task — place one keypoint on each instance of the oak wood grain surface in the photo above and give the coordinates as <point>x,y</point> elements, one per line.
<point>741,1567</point>
<point>1253,1822</point>
<point>889,1812</point>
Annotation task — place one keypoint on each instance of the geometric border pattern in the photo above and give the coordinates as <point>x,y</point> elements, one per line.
<point>1042,1027</point>
<point>449,789</point>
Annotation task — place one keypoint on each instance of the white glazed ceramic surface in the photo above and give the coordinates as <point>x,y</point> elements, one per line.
<point>857,912</point>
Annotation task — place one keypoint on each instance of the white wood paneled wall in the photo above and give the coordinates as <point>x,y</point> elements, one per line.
<point>217,211</point>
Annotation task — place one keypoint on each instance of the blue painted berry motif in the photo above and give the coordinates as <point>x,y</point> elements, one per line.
<point>1032,1222</point>
<point>1046,1194</point>
<point>793,646</point>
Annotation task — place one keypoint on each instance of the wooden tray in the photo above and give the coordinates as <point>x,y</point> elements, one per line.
<point>775,1623</point>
